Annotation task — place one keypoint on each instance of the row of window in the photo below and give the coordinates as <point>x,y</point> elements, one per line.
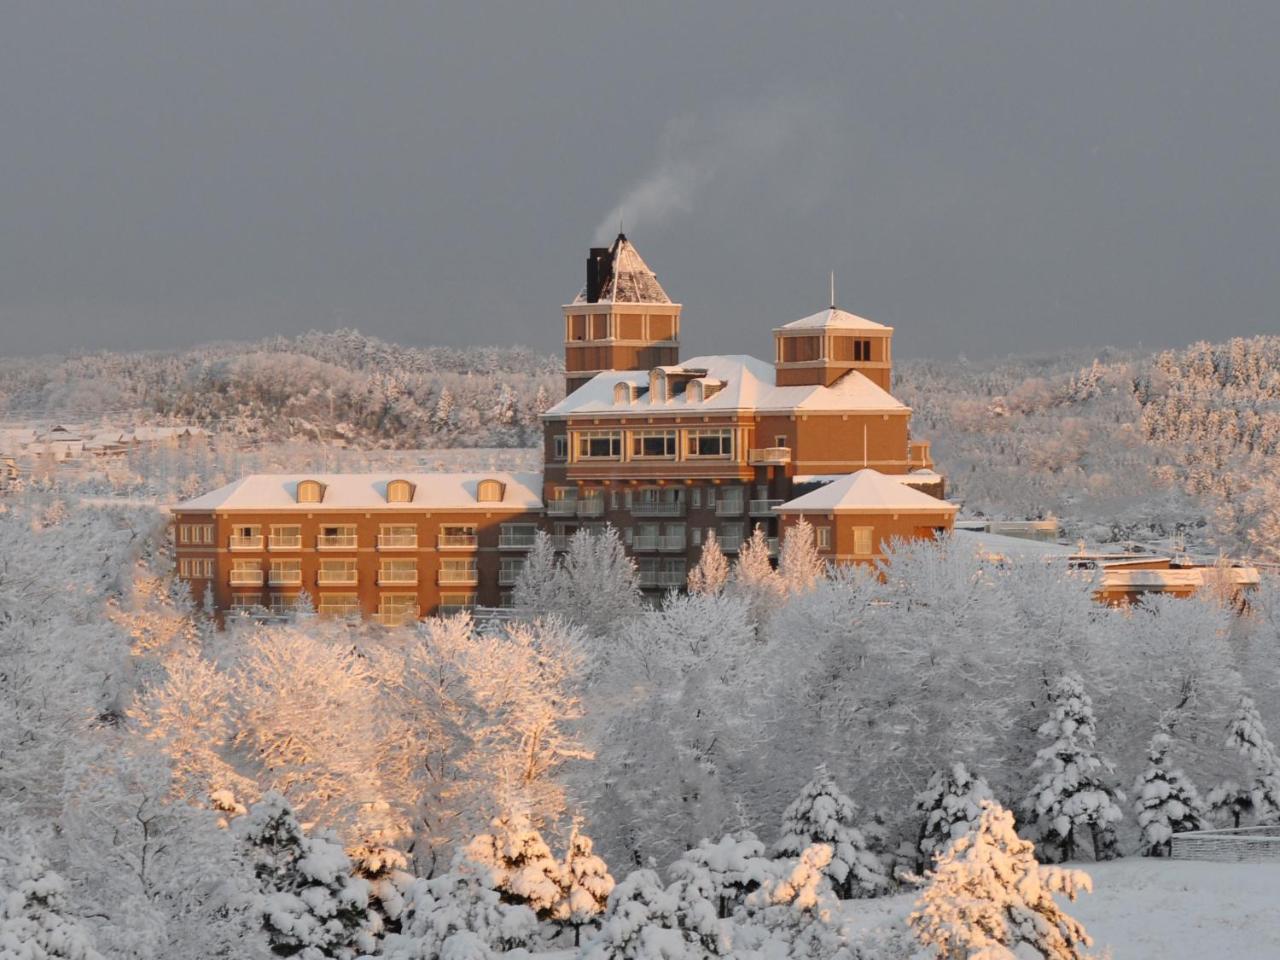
<point>286,536</point>
<point>727,501</point>
<point>702,443</point>
<point>401,491</point>
<point>393,608</point>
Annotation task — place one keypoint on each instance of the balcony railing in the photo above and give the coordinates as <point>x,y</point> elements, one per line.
<point>278,542</point>
<point>515,541</point>
<point>341,541</point>
<point>762,507</point>
<point>246,578</point>
<point>662,579</point>
<point>664,508</point>
<point>645,541</point>
<point>457,541</point>
<point>246,543</point>
<point>397,541</point>
<point>560,541</point>
<point>395,618</point>
<point>769,456</point>
<point>449,609</point>
<point>337,578</point>
<point>458,578</point>
<point>730,542</point>
<point>407,578</point>
<point>508,577</point>
<point>285,578</point>
<point>562,508</point>
<point>594,507</point>
<point>672,543</point>
<point>729,507</point>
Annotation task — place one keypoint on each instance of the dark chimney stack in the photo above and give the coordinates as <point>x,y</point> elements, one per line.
<point>599,269</point>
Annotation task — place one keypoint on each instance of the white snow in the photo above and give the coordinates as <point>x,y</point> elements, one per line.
<point>350,491</point>
<point>867,490</point>
<point>834,317</point>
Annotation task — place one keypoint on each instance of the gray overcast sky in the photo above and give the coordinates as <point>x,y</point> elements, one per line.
<point>987,177</point>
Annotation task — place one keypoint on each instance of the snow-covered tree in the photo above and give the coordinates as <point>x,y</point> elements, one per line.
<point>521,867</point>
<point>799,563</point>
<point>950,805</point>
<point>987,895</point>
<point>538,583</point>
<point>712,570</point>
<point>797,912</point>
<point>585,884</point>
<point>640,923</point>
<point>599,586</point>
<point>311,903</point>
<point>1247,735</point>
<point>823,814</point>
<point>1072,793</point>
<point>727,870</point>
<point>753,577</point>
<point>36,922</point>
<point>1165,801</point>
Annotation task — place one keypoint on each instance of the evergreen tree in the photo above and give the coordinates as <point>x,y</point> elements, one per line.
<point>537,584</point>
<point>712,571</point>
<point>599,585</point>
<point>823,814</point>
<point>799,564</point>
<point>754,579</point>
<point>727,870</point>
<point>35,922</point>
<point>950,805</point>
<point>987,895</point>
<point>640,922</point>
<point>311,902</point>
<point>1166,802</point>
<point>1247,735</point>
<point>798,911</point>
<point>585,884</point>
<point>519,862</point>
<point>1071,792</point>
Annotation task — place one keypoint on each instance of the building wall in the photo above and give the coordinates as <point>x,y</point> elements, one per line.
<point>885,528</point>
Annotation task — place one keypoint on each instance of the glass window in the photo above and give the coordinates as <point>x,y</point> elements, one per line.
<point>710,444</point>
<point>862,541</point>
<point>822,536</point>
<point>339,605</point>
<point>654,444</point>
<point>560,447</point>
<point>399,491</point>
<point>600,446</point>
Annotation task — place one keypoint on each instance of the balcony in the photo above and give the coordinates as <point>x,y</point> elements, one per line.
<point>395,618</point>
<point>245,543</point>
<point>762,508</point>
<point>457,541</point>
<point>397,541</point>
<point>340,541</point>
<point>662,579</point>
<point>730,542</point>
<point>562,508</point>
<point>672,543</point>
<point>560,541</point>
<point>769,456</point>
<point>665,508</point>
<point>337,578</point>
<point>729,507</point>
<point>398,578</point>
<point>285,542</point>
<point>285,578</point>
<point>451,609</point>
<point>516,541</point>
<point>593,507</point>
<point>507,577</point>
<point>458,578</point>
<point>246,578</point>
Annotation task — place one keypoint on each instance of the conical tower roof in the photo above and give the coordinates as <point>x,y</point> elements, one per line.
<point>628,278</point>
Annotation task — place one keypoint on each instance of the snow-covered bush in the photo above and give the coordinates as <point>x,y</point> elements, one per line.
<point>949,805</point>
<point>823,814</point>
<point>520,865</point>
<point>585,884</point>
<point>727,870</point>
<point>36,922</point>
<point>642,922</point>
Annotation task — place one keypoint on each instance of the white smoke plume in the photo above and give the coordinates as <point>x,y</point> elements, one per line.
<point>697,153</point>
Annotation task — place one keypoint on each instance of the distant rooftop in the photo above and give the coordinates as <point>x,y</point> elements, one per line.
<point>358,491</point>
<point>866,490</point>
<point>833,318</point>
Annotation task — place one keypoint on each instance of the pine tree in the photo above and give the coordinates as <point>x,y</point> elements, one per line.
<point>1071,793</point>
<point>987,895</point>
<point>537,584</point>
<point>799,563</point>
<point>950,805</point>
<point>311,902</point>
<point>585,884</point>
<point>35,922</point>
<point>519,861</point>
<point>640,922</point>
<point>1247,735</point>
<point>823,814</point>
<point>727,870</point>
<point>798,911</point>
<point>712,571</point>
<point>1166,802</point>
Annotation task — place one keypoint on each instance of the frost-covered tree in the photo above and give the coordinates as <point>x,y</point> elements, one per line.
<point>311,903</point>
<point>585,884</point>
<point>538,582</point>
<point>797,912</point>
<point>950,805</point>
<point>987,896</point>
<point>753,577</point>
<point>1165,801</point>
<point>521,867</point>
<point>1247,735</point>
<point>726,870</point>
<point>36,921</point>
<point>599,586</point>
<point>1072,793</point>
<point>799,563</point>
<point>712,570</point>
<point>640,923</point>
<point>823,814</point>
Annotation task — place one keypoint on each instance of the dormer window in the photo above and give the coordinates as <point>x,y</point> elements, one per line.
<point>658,385</point>
<point>490,491</point>
<point>624,392</point>
<point>399,491</point>
<point>310,491</point>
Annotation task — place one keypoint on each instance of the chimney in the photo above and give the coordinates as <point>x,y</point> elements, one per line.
<point>599,267</point>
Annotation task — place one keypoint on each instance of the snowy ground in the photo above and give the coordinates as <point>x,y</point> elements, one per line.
<point>1144,909</point>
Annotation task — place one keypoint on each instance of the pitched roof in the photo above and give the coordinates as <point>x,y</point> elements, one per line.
<point>866,491</point>
<point>630,279</point>
<point>358,491</point>
<point>833,318</point>
<point>748,385</point>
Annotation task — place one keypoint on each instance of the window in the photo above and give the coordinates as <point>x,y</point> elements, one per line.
<point>862,350</point>
<point>822,537</point>
<point>246,603</point>
<point>286,573</point>
<point>451,603</point>
<point>283,604</point>
<point>246,536</point>
<point>601,445</point>
<point>654,444</point>
<point>285,537</point>
<point>397,535</point>
<point>336,571</point>
<point>458,570</point>
<point>716,444</point>
<point>862,541</point>
<point>398,571</point>
<point>457,536</point>
<point>196,568</point>
<point>560,447</point>
<point>399,491</point>
<point>624,392</point>
<point>339,605</point>
<point>395,609</point>
<point>780,440</point>
<point>246,573</point>
<point>697,536</point>
<point>336,536</point>
<point>509,570</point>
<point>516,535</point>
<point>490,491</point>
<point>695,498</point>
<point>310,491</point>
<point>195,533</point>
<point>711,498</point>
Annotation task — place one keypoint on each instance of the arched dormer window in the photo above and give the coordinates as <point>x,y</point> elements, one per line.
<point>490,491</point>
<point>399,491</point>
<point>657,385</point>
<point>310,491</point>
<point>695,389</point>
<point>624,392</point>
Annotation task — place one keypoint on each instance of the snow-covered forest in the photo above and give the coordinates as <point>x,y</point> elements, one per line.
<point>710,777</point>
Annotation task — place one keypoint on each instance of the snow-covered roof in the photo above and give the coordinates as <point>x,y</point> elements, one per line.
<point>748,385</point>
<point>630,280</point>
<point>833,318</point>
<point>357,491</point>
<point>867,491</point>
